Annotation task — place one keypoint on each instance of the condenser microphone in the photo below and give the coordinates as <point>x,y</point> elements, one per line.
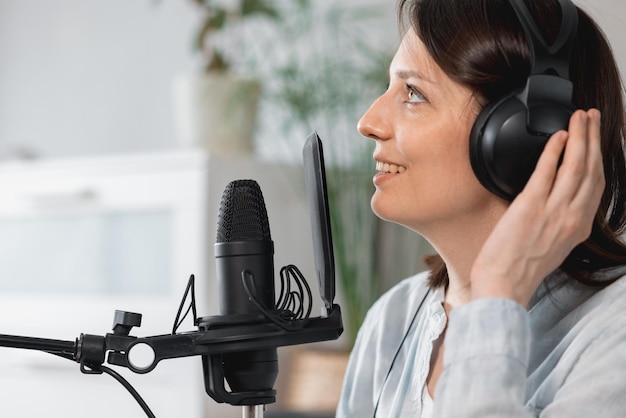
<point>244,258</point>
<point>239,346</point>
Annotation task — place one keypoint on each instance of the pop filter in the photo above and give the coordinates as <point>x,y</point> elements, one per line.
<point>317,199</point>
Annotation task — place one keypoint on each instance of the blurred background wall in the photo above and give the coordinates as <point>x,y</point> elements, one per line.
<point>82,81</point>
<point>95,76</point>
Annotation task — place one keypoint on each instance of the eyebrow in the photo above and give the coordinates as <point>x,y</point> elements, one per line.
<point>406,74</point>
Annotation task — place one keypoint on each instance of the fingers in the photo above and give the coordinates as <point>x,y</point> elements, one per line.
<point>542,180</point>
<point>575,165</point>
<point>579,182</point>
<point>570,192</point>
<point>582,161</point>
<point>592,185</point>
<point>580,171</point>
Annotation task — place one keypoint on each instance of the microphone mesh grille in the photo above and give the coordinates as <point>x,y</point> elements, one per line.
<point>242,214</point>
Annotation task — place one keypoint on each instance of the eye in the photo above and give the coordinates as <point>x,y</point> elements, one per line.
<point>414,95</point>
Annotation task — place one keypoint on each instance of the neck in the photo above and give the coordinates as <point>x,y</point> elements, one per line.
<point>458,244</point>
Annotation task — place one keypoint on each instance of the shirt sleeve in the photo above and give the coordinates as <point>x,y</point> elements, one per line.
<point>486,357</point>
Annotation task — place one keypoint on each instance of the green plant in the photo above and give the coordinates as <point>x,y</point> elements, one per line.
<point>218,17</point>
<point>324,75</point>
<point>327,91</point>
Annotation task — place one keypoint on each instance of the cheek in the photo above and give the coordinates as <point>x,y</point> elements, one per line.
<point>440,180</point>
<point>448,162</point>
<point>438,155</point>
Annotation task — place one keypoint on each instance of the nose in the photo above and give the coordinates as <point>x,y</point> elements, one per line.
<point>374,124</point>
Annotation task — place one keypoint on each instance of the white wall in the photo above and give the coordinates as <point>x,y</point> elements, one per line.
<point>90,76</point>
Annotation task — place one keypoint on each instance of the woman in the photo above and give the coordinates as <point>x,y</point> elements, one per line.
<point>524,310</point>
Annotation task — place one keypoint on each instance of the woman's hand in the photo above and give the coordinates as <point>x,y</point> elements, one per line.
<point>552,215</point>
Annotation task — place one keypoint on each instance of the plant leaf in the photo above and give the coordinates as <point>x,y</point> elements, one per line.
<point>258,7</point>
<point>217,20</point>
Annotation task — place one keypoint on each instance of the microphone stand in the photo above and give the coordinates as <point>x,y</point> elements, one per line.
<point>215,337</point>
<point>253,411</point>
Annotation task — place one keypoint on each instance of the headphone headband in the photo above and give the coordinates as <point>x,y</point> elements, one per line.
<point>546,58</point>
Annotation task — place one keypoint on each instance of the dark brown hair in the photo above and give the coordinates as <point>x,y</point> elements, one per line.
<point>481,44</point>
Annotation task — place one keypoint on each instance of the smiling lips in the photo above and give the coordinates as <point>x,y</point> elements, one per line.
<point>389,168</point>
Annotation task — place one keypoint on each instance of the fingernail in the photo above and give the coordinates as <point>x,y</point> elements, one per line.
<point>596,115</point>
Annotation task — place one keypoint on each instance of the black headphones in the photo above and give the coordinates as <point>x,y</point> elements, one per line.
<point>510,134</point>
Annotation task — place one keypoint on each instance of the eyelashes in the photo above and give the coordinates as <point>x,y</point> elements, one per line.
<point>414,95</point>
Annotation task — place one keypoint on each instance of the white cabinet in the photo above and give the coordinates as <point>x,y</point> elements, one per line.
<point>81,238</point>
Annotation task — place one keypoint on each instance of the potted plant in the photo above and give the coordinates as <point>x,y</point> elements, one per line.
<point>216,108</point>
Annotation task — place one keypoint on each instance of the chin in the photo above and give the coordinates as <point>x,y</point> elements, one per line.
<point>389,210</point>
<point>384,211</point>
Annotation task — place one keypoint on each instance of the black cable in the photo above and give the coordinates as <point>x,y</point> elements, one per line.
<point>189,292</point>
<point>67,350</point>
<point>282,316</point>
<point>103,369</point>
<point>92,370</point>
<point>295,301</point>
<point>395,356</point>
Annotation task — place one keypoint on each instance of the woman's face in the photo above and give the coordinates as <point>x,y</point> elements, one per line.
<point>421,126</point>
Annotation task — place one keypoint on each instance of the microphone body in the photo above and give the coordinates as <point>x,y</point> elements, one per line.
<point>234,258</point>
<point>244,248</point>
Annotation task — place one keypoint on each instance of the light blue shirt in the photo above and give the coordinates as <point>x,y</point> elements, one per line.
<point>563,357</point>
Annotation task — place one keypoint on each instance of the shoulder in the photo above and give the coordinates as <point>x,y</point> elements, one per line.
<point>607,305</point>
<point>587,344</point>
<point>605,311</point>
<point>581,321</point>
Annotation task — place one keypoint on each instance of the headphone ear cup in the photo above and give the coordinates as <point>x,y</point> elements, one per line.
<point>503,153</point>
<point>477,156</point>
